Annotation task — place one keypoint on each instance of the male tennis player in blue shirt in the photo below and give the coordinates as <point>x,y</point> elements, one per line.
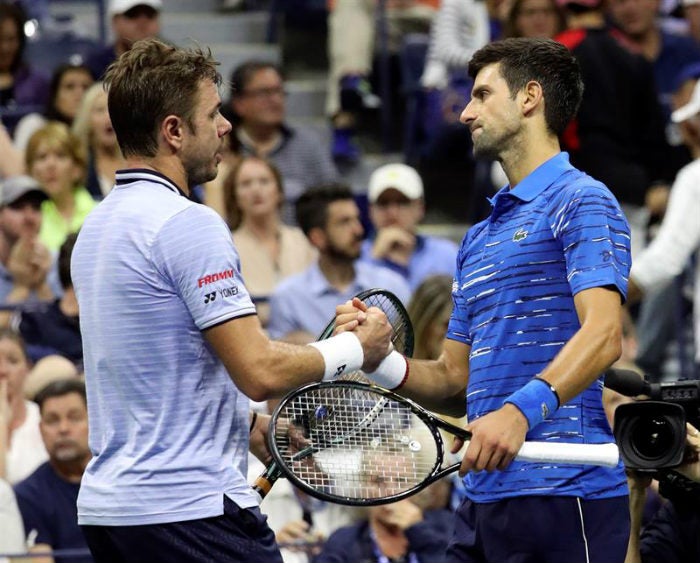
<point>172,345</point>
<point>537,297</point>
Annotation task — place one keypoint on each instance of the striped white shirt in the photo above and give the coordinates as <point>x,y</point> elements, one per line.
<point>168,428</point>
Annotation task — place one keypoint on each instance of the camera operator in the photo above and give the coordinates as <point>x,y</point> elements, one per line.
<point>673,535</point>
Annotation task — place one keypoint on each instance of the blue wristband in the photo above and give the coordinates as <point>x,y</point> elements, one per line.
<point>536,400</point>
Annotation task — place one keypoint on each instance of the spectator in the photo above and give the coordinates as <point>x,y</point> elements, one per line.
<point>12,538</point>
<point>25,262</point>
<point>396,207</point>
<point>47,498</point>
<point>351,38</point>
<point>68,85</point>
<point>53,327</point>
<point>618,135</point>
<point>430,309</point>
<point>132,20</point>
<point>400,531</point>
<point>269,250</point>
<point>534,18</point>
<point>57,160</point>
<point>679,235</point>
<point>258,100</point>
<point>25,450</point>
<point>668,53</point>
<point>302,304</point>
<point>443,153</point>
<point>21,88</point>
<point>93,127</point>
<point>673,535</point>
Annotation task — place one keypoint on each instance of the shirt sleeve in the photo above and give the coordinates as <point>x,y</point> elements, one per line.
<point>34,519</point>
<point>595,239</point>
<point>194,250</point>
<point>678,236</point>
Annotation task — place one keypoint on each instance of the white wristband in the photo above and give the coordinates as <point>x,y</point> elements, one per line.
<point>342,354</point>
<point>392,372</point>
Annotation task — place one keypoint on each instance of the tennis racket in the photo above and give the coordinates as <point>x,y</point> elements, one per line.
<point>357,444</point>
<point>401,337</point>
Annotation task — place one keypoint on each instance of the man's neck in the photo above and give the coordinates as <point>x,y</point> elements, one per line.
<point>339,272</point>
<point>262,138</point>
<point>71,471</point>
<point>527,156</point>
<point>647,43</point>
<point>171,168</point>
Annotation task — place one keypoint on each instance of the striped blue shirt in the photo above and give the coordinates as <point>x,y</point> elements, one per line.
<point>168,428</point>
<point>557,233</point>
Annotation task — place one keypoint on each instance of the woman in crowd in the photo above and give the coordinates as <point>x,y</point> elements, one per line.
<point>94,128</point>
<point>25,448</point>
<point>68,86</point>
<point>430,309</point>
<point>534,18</point>
<point>20,86</point>
<point>56,159</point>
<point>269,249</point>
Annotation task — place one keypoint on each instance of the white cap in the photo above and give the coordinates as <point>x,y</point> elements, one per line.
<point>118,7</point>
<point>401,177</point>
<point>690,109</point>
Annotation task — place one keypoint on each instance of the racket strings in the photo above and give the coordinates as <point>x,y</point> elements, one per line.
<point>352,443</point>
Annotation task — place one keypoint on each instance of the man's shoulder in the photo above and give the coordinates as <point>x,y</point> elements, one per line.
<point>37,485</point>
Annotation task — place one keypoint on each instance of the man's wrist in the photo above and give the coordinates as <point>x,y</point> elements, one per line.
<point>536,401</point>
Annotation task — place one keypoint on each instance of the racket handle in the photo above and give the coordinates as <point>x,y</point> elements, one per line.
<point>264,482</point>
<point>590,454</point>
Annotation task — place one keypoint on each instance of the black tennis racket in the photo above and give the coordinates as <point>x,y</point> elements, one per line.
<point>357,444</point>
<point>401,337</point>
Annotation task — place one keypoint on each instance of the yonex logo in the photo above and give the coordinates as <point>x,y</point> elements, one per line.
<point>519,235</point>
<point>211,278</point>
<point>210,297</point>
<point>339,371</point>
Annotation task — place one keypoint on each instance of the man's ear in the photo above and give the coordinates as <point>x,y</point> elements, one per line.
<point>317,237</point>
<point>171,130</point>
<point>532,98</point>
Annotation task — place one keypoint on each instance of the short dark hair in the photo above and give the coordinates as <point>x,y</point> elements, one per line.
<point>312,205</point>
<point>244,72</point>
<point>60,388</point>
<point>64,255</point>
<point>545,61</point>
<point>149,82</point>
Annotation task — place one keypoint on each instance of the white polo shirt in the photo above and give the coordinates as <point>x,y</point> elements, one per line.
<point>168,428</point>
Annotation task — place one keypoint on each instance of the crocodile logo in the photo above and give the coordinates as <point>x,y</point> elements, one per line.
<point>519,235</point>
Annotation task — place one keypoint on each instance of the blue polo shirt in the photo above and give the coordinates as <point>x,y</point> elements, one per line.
<point>307,302</point>
<point>558,232</point>
<point>432,255</point>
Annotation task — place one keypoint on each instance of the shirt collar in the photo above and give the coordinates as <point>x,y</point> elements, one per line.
<point>318,284</point>
<point>539,179</point>
<point>129,176</point>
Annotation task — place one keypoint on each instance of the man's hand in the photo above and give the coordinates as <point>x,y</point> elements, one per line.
<point>258,438</point>
<point>401,514</point>
<point>374,333</point>
<point>297,535</point>
<point>29,262</point>
<point>690,467</point>
<point>394,244</point>
<point>496,439</point>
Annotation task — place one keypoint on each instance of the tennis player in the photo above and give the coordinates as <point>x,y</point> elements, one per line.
<point>173,348</point>
<point>537,298</point>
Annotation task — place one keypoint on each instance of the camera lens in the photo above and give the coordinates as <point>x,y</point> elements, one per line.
<point>651,437</point>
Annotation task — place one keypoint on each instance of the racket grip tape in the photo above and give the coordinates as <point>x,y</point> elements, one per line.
<point>264,482</point>
<point>606,455</point>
